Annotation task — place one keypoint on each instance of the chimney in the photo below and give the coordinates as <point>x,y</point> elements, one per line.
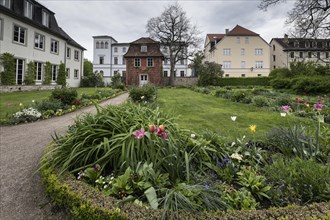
<point>286,39</point>
<point>227,30</point>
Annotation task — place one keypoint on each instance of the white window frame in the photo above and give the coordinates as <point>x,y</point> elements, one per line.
<point>16,70</point>
<point>150,62</point>
<point>45,18</point>
<point>76,55</point>
<point>259,64</point>
<point>39,41</point>
<point>137,62</point>
<point>165,74</point>
<point>21,30</point>
<point>5,3</point>
<point>101,60</point>
<point>247,40</point>
<point>238,40</point>
<point>28,9</point>
<point>242,51</point>
<point>38,66</point>
<point>144,48</point>
<point>123,49</point>
<point>76,74</point>
<point>67,73</point>
<point>68,52</point>
<point>115,49</point>
<point>226,51</point>
<point>258,51</point>
<point>54,46</point>
<point>243,64</point>
<point>124,61</point>
<point>115,60</point>
<point>226,64</point>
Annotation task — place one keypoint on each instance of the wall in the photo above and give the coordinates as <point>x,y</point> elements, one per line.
<point>17,88</point>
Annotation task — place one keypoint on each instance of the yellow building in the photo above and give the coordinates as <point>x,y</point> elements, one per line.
<point>241,52</point>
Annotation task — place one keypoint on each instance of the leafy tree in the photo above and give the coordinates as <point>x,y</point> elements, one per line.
<point>174,30</point>
<point>310,17</point>
<point>8,76</point>
<point>209,74</point>
<point>197,63</point>
<point>61,77</point>
<point>96,79</point>
<point>47,74</point>
<point>30,75</point>
<point>88,67</point>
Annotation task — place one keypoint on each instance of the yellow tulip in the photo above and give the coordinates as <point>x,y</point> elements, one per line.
<point>253,128</point>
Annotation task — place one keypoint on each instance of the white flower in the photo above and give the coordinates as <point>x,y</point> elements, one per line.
<point>236,156</point>
<point>193,136</point>
<point>33,100</point>
<point>21,104</point>
<point>142,97</point>
<point>283,114</point>
<point>233,118</point>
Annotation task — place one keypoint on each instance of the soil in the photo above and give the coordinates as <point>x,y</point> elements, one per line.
<point>22,194</point>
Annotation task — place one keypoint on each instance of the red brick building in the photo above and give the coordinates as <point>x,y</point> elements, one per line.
<point>144,62</point>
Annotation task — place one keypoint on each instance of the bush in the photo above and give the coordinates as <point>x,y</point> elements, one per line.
<point>280,73</point>
<point>46,105</point>
<point>279,83</point>
<point>282,101</point>
<point>47,73</point>
<point>66,95</point>
<point>26,115</point>
<point>260,101</point>
<point>239,95</point>
<point>8,76</point>
<point>93,80</point>
<point>308,85</point>
<point>244,81</point>
<point>146,93</point>
<point>30,75</point>
<point>298,181</point>
<point>209,74</point>
<point>61,77</point>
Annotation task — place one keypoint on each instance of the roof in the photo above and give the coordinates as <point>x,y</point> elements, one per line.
<point>303,44</point>
<point>153,49</point>
<point>17,9</point>
<point>241,31</point>
<point>215,36</point>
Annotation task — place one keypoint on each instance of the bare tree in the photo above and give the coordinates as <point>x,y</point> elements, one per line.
<point>311,18</point>
<point>174,30</point>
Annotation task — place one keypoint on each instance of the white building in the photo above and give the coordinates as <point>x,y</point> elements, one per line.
<point>108,59</point>
<point>30,32</point>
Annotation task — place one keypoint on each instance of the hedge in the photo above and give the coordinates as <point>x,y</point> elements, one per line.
<point>85,202</point>
<point>242,81</point>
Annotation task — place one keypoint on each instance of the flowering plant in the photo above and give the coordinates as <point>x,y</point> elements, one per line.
<point>26,115</point>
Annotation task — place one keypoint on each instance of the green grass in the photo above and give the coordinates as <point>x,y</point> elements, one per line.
<point>10,101</point>
<point>198,112</point>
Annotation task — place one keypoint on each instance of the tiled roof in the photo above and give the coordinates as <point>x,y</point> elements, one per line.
<point>303,44</point>
<point>241,31</point>
<point>145,40</point>
<point>215,36</point>
<point>153,48</point>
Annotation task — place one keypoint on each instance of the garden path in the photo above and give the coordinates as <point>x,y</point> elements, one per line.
<point>22,194</point>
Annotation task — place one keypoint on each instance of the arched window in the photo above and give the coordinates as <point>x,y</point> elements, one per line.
<point>102,44</point>
<point>106,45</point>
<point>97,45</point>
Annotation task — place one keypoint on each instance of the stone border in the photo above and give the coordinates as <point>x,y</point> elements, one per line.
<point>19,88</point>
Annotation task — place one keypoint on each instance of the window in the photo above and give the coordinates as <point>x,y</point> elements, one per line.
<point>115,60</point>
<point>181,73</point>
<point>124,61</point>
<point>165,61</point>
<point>124,49</point>
<point>318,54</point>
<point>259,74</point>
<point>165,73</point>
<point>144,48</point>
<point>101,60</point>
<point>102,44</point>
<point>242,75</point>
<point>19,34</point>
<point>226,75</point>
<point>1,29</point>
<point>314,44</point>
<point>258,51</point>
<point>309,54</point>
<point>97,45</point>
<point>274,58</point>
<point>301,54</point>
<point>307,44</point>
<point>28,9</point>
<point>292,54</point>
<point>38,71</point>
<point>19,70</point>
<point>137,62</point>
<point>226,64</point>
<point>242,51</point>
<point>106,45</point>
<point>76,55</point>
<point>53,46</point>
<point>238,40</point>
<point>182,61</point>
<point>150,62</point>
<point>326,54</point>
<point>296,44</point>
<point>324,44</point>
<point>45,18</point>
<point>39,41</point>
<point>115,49</point>
<point>259,64</point>
<point>247,40</point>
<point>226,51</point>
<point>76,74</point>
<point>68,52</point>
<point>273,47</point>
<point>242,64</point>
<point>5,3</point>
<point>54,72</point>
<point>67,73</point>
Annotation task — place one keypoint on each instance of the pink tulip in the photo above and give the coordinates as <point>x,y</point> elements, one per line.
<point>139,134</point>
<point>285,108</point>
<point>152,128</point>
<point>318,106</point>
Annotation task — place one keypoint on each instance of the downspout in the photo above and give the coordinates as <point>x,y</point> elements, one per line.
<point>110,59</point>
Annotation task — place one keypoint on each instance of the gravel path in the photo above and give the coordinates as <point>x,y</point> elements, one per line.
<point>22,195</point>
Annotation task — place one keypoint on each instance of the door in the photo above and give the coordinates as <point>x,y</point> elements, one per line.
<point>19,71</point>
<point>143,79</point>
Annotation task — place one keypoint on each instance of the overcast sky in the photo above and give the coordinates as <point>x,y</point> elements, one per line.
<point>126,20</point>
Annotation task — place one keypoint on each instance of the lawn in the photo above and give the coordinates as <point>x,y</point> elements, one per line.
<point>10,101</point>
<point>198,112</point>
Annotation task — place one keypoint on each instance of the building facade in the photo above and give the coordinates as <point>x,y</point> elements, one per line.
<point>108,58</point>
<point>30,32</point>
<point>241,52</point>
<point>287,50</point>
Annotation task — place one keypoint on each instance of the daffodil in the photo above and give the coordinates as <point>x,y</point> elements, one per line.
<point>253,128</point>
<point>233,118</point>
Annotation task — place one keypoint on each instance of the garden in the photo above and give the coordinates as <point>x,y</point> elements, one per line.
<point>23,107</point>
<point>197,153</point>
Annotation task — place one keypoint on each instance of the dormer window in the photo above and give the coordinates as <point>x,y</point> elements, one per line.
<point>5,3</point>
<point>144,48</point>
<point>307,44</point>
<point>28,9</point>
<point>296,44</point>
<point>45,18</point>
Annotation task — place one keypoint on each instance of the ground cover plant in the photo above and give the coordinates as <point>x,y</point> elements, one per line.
<point>138,153</point>
<point>48,103</point>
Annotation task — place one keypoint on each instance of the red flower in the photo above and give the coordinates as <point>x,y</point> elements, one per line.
<point>152,128</point>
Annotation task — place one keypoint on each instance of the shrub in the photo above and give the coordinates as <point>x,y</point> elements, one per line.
<point>30,75</point>
<point>239,95</point>
<point>46,105</point>
<point>26,115</point>
<point>283,100</point>
<point>313,85</point>
<point>61,77</point>
<point>298,181</point>
<point>47,73</point>
<point>260,101</point>
<point>92,80</point>
<point>209,73</point>
<point>244,81</point>
<point>280,83</point>
<point>66,95</point>
<point>280,73</point>
<point>145,93</point>
<point>8,76</point>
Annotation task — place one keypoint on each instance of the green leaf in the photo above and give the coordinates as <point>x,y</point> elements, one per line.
<point>152,197</point>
